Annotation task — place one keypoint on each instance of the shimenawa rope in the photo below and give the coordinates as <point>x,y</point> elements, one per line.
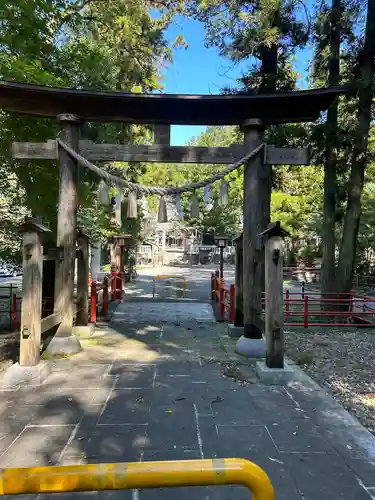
<point>162,191</point>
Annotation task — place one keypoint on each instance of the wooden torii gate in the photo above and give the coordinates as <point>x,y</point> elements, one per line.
<point>253,112</point>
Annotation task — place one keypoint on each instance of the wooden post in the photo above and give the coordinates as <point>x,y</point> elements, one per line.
<point>119,287</point>
<point>162,134</point>
<point>122,258</point>
<point>287,305</point>
<point>213,286</point>
<point>82,279</point>
<point>221,262</point>
<point>96,250</point>
<point>232,303</point>
<point>238,317</point>
<point>252,226</point>
<point>222,300</point>
<point>116,257</point>
<point>113,286</point>
<point>93,302</point>
<point>105,296</point>
<point>113,256</point>
<point>274,295</point>
<point>31,309</point>
<point>48,283</point>
<point>14,312</point>
<point>66,225</point>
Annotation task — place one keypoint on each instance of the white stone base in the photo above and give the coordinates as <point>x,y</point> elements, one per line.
<point>235,332</point>
<point>18,375</point>
<point>251,348</point>
<point>83,331</point>
<point>274,376</point>
<point>64,346</point>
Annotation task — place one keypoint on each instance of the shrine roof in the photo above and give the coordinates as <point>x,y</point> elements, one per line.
<point>183,109</point>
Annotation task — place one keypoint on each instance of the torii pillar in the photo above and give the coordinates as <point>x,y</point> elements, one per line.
<point>256,213</point>
<point>64,342</point>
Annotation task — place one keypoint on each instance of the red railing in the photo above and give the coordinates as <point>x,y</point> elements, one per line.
<point>304,308</point>
<point>331,310</point>
<point>117,281</point>
<point>220,294</point>
<point>99,301</point>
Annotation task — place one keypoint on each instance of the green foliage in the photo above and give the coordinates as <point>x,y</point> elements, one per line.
<point>296,199</point>
<point>219,219</point>
<point>92,44</point>
<point>265,33</point>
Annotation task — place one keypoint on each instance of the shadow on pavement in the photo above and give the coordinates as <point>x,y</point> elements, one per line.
<point>156,391</point>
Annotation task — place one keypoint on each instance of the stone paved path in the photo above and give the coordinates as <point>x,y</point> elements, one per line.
<point>168,388</point>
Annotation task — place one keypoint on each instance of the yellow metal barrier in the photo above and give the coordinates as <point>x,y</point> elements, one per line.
<point>163,276</point>
<point>137,475</point>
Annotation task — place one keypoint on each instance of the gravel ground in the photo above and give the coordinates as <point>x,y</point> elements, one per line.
<point>341,360</point>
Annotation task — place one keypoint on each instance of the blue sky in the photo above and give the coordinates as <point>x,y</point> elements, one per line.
<point>200,70</point>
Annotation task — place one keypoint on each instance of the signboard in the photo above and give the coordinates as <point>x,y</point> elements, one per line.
<point>286,156</point>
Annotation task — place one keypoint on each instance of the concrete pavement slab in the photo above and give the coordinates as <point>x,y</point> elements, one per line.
<point>150,390</point>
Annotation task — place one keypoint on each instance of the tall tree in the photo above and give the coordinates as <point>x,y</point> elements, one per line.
<point>264,33</point>
<point>334,38</point>
<point>359,156</point>
<point>95,44</point>
<point>329,29</point>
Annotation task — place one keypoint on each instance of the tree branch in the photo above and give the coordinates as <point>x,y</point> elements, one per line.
<point>75,9</point>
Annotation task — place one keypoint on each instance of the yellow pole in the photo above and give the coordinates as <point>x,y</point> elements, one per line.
<point>137,475</point>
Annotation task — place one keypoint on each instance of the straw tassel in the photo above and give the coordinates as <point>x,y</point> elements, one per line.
<point>179,209</point>
<point>207,196</point>
<point>194,207</point>
<point>162,213</point>
<point>132,210</point>
<point>223,195</point>
<point>117,209</point>
<point>103,193</point>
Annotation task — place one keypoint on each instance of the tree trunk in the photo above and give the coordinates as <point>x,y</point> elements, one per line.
<point>269,69</point>
<point>358,160</point>
<point>330,174</point>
